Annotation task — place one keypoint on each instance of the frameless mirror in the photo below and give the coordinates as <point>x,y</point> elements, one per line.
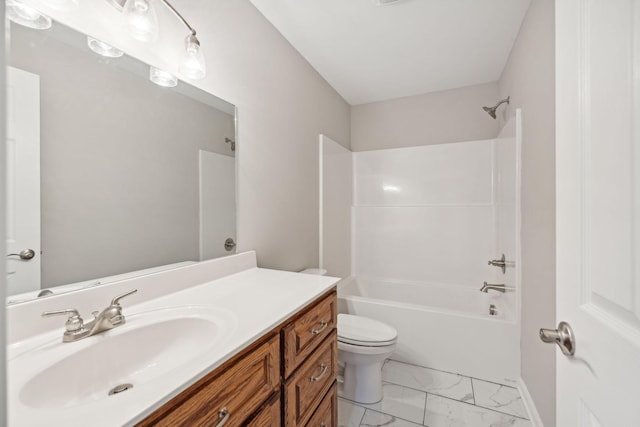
<point>109,173</point>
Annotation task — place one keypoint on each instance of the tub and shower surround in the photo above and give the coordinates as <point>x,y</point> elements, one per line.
<point>425,222</point>
<point>432,214</point>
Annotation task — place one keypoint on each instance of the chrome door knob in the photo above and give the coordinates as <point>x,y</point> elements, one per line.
<point>563,336</point>
<point>25,255</point>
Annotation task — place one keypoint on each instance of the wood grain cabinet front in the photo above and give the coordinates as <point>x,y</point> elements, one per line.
<point>327,413</point>
<point>228,396</point>
<point>305,333</point>
<point>307,387</point>
<point>269,415</point>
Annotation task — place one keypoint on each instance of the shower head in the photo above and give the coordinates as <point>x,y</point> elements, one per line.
<point>492,110</point>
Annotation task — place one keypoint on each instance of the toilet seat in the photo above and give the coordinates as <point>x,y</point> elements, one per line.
<point>366,350</point>
<point>366,343</point>
<point>365,332</point>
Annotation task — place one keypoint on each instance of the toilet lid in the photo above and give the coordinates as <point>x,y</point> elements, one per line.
<point>360,330</point>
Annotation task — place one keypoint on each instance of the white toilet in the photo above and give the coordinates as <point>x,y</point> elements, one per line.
<point>363,346</point>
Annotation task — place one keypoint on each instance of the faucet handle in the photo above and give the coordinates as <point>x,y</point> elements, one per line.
<point>74,322</point>
<point>116,300</point>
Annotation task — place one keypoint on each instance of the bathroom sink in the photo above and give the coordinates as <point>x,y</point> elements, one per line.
<point>146,350</point>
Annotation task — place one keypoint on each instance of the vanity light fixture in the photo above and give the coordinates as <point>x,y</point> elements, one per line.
<point>22,14</point>
<point>192,64</point>
<point>101,48</point>
<point>142,21</point>
<point>162,78</point>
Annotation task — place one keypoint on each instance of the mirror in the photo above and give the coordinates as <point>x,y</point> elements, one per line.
<point>109,173</point>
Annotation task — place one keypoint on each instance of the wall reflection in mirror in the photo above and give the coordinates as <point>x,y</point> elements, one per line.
<point>109,173</point>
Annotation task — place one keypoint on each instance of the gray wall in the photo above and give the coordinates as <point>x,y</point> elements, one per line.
<point>529,77</point>
<point>119,163</point>
<point>283,104</point>
<point>434,118</point>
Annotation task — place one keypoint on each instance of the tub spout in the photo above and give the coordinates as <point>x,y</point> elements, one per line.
<point>495,287</point>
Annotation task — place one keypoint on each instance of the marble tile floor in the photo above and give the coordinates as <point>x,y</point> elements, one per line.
<point>415,396</point>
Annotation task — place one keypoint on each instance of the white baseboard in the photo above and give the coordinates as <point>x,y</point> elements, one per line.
<point>536,421</point>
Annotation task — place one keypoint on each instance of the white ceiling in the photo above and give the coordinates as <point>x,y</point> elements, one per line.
<point>371,53</point>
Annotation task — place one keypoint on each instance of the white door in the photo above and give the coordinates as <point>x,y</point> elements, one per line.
<point>23,181</point>
<point>217,204</point>
<point>598,210</point>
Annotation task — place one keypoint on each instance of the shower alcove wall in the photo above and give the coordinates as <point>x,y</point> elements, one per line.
<point>418,225</point>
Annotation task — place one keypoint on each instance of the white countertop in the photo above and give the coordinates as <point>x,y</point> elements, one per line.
<point>258,299</point>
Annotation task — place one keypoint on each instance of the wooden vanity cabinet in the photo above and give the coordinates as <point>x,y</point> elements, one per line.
<point>310,361</point>
<point>235,390</point>
<point>269,415</point>
<point>307,387</point>
<point>287,377</point>
<point>307,330</point>
<point>327,413</point>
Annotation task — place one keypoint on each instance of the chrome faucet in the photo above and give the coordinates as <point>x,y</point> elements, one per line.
<point>495,287</point>
<point>109,318</point>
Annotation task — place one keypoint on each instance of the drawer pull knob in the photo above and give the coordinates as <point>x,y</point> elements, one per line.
<point>323,326</point>
<point>323,370</point>
<point>323,424</point>
<point>223,416</point>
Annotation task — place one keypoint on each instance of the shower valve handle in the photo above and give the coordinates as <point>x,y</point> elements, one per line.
<point>502,263</point>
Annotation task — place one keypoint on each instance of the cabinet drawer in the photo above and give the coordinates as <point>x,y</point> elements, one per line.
<point>309,384</point>
<point>305,333</point>
<point>269,415</point>
<point>327,413</point>
<point>239,389</point>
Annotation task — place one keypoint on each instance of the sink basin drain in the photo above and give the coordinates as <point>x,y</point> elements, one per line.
<point>120,388</point>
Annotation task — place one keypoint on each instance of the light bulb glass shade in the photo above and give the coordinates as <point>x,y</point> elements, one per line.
<point>101,48</point>
<point>142,20</point>
<point>192,64</point>
<point>162,78</point>
<point>22,14</point>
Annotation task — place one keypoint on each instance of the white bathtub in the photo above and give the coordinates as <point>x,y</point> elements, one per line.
<point>441,327</point>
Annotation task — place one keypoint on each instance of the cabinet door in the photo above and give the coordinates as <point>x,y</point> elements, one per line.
<point>269,415</point>
<point>327,413</point>
<point>235,393</point>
